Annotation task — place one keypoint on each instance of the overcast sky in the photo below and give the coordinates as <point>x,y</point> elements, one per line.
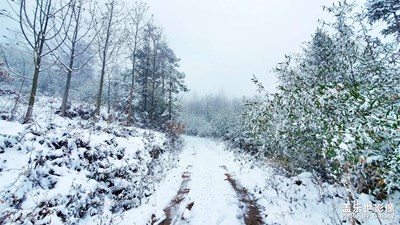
<point>222,43</point>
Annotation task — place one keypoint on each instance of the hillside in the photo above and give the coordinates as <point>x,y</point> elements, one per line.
<point>60,170</point>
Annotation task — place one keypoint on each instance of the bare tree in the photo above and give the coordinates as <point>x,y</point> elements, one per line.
<point>39,27</point>
<point>109,42</point>
<point>135,22</point>
<point>81,28</point>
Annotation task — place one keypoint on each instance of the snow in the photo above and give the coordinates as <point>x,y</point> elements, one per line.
<point>201,169</point>
<point>10,128</point>
<point>79,171</point>
<point>373,159</point>
<point>215,201</point>
<point>281,200</point>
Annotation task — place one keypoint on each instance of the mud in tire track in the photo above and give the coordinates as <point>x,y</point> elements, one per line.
<point>251,213</point>
<point>172,211</point>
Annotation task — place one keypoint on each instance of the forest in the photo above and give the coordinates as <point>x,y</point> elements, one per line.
<point>139,78</point>
<point>95,121</point>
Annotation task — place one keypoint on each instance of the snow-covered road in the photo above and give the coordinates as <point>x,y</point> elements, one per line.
<point>207,187</point>
<point>196,192</point>
<point>214,199</point>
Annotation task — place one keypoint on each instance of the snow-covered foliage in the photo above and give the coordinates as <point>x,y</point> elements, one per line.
<point>337,109</point>
<point>306,198</point>
<point>386,11</point>
<point>62,171</point>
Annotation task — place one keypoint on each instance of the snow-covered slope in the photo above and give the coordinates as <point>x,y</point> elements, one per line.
<point>67,171</point>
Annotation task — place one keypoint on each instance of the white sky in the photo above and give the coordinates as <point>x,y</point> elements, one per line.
<point>222,43</point>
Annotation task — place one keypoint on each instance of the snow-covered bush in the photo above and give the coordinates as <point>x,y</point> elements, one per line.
<point>74,169</point>
<point>365,138</point>
<point>337,111</point>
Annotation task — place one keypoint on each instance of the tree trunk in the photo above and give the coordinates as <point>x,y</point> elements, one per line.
<point>153,86</point>
<point>98,103</point>
<point>68,83</point>
<point>71,63</point>
<point>145,86</point>
<point>163,83</point>
<point>66,92</point>
<point>153,101</point>
<point>170,101</point>
<point>109,94</point>
<point>28,115</point>
<point>130,101</point>
<point>104,60</point>
<point>145,91</point>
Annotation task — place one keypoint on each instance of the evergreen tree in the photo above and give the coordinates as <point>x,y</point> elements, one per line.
<point>386,11</point>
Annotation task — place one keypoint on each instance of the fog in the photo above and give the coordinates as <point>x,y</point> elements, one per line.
<point>223,43</point>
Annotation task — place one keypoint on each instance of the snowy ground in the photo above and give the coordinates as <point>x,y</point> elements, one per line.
<point>70,171</point>
<point>88,164</point>
<point>198,192</point>
<point>214,199</point>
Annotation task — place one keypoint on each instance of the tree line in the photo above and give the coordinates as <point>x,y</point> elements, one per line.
<point>211,115</point>
<point>112,54</point>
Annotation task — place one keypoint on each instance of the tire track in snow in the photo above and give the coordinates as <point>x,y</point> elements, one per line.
<point>215,202</point>
<point>173,211</point>
<point>251,211</point>
<point>206,196</point>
